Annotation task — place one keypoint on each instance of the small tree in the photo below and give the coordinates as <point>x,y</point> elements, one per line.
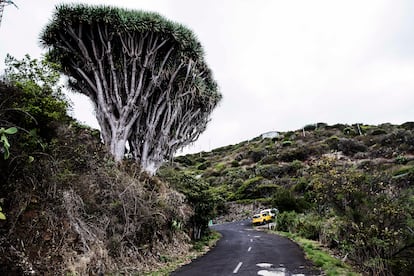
<point>36,98</point>
<point>145,75</point>
<point>199,195</point>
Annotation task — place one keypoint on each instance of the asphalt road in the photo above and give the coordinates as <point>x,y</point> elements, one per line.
<point>244,251</point>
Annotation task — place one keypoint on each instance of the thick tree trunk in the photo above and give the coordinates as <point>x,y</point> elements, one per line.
<point>118,146</point>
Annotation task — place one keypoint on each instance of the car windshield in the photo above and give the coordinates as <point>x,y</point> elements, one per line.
<point>256,216</point>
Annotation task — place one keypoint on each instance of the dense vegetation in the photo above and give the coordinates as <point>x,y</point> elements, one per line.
<point>69,207</point>
<point>347,186</point>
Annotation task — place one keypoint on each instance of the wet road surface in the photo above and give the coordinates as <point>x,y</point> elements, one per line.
<point>245,251</point>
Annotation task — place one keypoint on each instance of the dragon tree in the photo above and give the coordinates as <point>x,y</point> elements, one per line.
<point>146,76</point>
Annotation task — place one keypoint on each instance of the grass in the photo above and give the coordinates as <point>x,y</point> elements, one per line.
<point>320,257</point>
<point>199,248</point>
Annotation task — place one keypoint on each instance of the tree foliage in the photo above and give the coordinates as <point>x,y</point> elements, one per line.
<point>200,196</point>
<point>379,214</point>
<point>32,102</point>
<point>145,75</point>
<point>35,98</point>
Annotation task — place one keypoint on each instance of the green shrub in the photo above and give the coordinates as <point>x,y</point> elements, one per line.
<point>199,195</point>
<point>401,159</point>
<point>185,160</point>
<point>285,200</point>
<point>408,125</point>
<point>309,226</point>
<point>220,166</point>
<point>350,131</point>
<point>317,149</point>
<point>296,165</point>
<point>309,127</point>
<point>274,171</point>
<point>287,143</point>
<point>200,160</point>
<point>32,100</point>
<point>206,241</point>
<point>257,155</point>
<point>321,125</point>
<point>378,131</point>
<point>286,221</point>
<point>204,166</point>
<point>301,185</point>
<point>403,140</point>
<point>299,153</point>
<point>269,159</point>
<point>337,126</point>
<point>265,190</point>
<point>246,190</point>
<point>269,171</point>
<point>350,146</point>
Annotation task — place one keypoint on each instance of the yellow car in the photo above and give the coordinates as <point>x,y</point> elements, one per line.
<point>261,218</point>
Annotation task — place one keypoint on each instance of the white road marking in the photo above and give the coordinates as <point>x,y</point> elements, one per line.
<point>251,240</point>
<point>274,272</point>
<point>250,248</point>
<point>257,236</point>
<point>237,268</point>
<point>264,265</point>
<point>271,273</point>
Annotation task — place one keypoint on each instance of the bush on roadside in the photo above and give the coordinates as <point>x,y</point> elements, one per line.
<point>285,200</point>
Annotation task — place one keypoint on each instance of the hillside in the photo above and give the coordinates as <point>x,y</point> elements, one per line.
<point>69,207</point>
<point>348,186</point>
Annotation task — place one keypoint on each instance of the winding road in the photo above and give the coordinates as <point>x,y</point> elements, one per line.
<point>245,251</point>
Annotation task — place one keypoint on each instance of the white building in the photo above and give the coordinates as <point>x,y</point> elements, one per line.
<point>270,134</point>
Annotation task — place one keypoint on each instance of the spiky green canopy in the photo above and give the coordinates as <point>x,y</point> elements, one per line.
<point>119,22</point>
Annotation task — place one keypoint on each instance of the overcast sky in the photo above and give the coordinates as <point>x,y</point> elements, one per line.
<point>280,65</point>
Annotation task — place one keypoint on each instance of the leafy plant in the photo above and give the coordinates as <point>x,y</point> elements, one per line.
<point>39,79</point>
<point>376,215</point>
<point>285,200</point>
<point>246,190</point>
<point>35,97</point>
<point>199,195</point>
<point>5,141</point>
<point>2,215</point>
<point>287,143</point>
